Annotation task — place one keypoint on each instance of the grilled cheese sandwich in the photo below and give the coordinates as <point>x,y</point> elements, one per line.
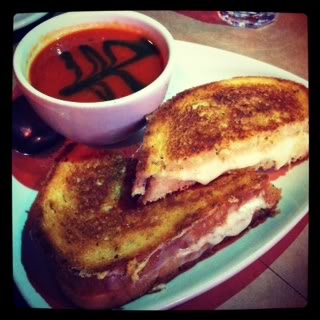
<point>107,249</point>
<point>258,122</point>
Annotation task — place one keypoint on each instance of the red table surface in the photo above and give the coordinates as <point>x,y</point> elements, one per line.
<point>204,16</point>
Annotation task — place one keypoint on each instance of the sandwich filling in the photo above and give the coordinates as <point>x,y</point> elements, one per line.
<point>265,151</point>
<point>237,221</point>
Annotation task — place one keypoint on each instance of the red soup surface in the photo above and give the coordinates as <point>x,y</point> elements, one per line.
<point>94,65</point>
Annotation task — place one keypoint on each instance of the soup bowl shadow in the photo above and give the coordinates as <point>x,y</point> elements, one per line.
<point>94,123</point>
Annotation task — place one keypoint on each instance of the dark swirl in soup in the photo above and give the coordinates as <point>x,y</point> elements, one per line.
<point>98,64</point>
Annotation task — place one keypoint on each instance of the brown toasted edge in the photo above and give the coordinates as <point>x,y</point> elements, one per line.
<point>33,224</point>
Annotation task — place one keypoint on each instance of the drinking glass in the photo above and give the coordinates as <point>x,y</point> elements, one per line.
<point>247,19</point>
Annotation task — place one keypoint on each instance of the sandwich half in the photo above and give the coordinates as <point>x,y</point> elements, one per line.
<point>106,249</point>
<point>258,122</point>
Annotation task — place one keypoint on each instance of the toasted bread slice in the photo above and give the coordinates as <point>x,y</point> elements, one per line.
<point>207,130</point>
<point>81,200</point>
<point>107,249</point>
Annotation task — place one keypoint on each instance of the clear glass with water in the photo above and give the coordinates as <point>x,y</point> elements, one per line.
<point>247,19</point>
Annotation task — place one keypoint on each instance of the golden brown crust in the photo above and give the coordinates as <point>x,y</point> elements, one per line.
<point>74,203</point>
<point>216,114</point>
<point>91,228</point>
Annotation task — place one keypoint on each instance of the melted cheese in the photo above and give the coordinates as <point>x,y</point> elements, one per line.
<point>237,221</point>
<point>279,153</point>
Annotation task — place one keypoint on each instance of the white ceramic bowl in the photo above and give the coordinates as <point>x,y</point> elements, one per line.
<point>97,123</point>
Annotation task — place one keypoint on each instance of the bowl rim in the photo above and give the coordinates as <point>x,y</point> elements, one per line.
<point>154,24</point>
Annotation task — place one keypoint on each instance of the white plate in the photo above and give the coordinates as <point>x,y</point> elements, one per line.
<point>196,64</point>
<point>21,20</point>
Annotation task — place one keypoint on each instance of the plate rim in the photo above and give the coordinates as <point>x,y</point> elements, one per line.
<point>27,20</point>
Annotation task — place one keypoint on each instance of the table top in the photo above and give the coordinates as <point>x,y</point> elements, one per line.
<point>284,43</point>
<point>279,279</point>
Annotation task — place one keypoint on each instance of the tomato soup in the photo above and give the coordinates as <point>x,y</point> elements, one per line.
<point>98,64</point>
